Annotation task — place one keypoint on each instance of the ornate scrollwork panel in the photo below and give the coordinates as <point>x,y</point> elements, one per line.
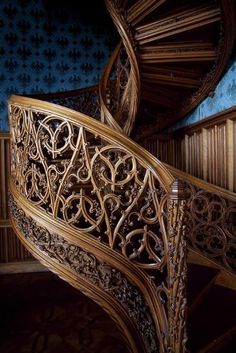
<point>86,102</point>
<point>211,225</point>
<point>90,184</point>
<point>97,272</point>
<point>106,191</point>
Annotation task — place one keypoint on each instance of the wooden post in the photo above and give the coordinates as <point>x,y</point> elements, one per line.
<point>230,153</point>
<point>177,270</point>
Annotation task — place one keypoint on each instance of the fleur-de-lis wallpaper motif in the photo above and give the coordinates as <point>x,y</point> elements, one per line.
<point>50,46</point>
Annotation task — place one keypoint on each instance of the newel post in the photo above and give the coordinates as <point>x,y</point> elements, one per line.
<point>177,269</point>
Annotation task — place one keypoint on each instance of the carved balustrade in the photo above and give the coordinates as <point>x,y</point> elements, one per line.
<point>85,100</point>
<point>210,220</point>
<point>120,83</point>
<point>115,90</point>
<point>102,213</point>
<point>211,224</point>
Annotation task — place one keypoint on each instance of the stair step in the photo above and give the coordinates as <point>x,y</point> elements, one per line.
<point>225,343</point>
<point>170,77</point>
<point>201,295</point>
<point>204,276</point>
<point>177,23</point>
<point>226,277</point>
<point>214,317</point>
<point>140,9</point>
<point>178,52</point>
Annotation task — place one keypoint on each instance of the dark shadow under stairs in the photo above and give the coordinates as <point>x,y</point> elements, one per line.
<point>40,313</point>
<point>211,312</point>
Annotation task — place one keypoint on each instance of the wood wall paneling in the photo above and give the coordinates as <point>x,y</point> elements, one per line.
<point>206,149</point>
<point>11,249</point>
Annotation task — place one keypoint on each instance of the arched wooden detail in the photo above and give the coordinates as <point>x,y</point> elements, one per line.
<point>120,83</point>
<point>101,212</point>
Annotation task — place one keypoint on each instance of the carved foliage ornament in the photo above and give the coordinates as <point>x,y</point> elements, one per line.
<point>91,185</point>
<point>88,266</point>
<point>211,225</point>
<point>177,277</point>
<point>86,102</point>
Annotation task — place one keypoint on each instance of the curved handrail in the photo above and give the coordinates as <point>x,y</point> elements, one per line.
<point>106,114</point>
<point>158,169</point>
<point>87,196</point>
<point>202,184</point>
<point>210,220</point>
<point>127,108</point>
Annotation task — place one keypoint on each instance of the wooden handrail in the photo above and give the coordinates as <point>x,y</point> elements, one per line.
<point>210,220</point>
<point>104,214</point>
<point>202,184</point>
<point>106,116</point>
<point>95,126</point>
<point>131,95</point>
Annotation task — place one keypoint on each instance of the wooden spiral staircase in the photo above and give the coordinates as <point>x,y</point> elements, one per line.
<point>102,212</point>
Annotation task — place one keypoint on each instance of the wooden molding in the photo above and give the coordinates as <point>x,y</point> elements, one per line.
<point>215,119</point>
<point>22,267</point>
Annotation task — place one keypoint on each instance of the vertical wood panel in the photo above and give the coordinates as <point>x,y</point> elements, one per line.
<point>11,249</point>
<point>207,152</point>
<point>230,153</point>
<point>234,147</point>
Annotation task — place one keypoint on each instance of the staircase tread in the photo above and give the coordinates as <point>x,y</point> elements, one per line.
<point>203,275</point>
<point>215,316</point>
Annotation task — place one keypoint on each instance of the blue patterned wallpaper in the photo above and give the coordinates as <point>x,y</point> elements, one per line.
<point>223,98</point>
<point>48,46</point>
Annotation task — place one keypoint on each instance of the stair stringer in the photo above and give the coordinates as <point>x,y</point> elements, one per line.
<point>103,214</point>
<point>97,274</point>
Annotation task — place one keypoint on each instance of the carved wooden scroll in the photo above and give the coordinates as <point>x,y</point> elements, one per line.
<point>93,206</point>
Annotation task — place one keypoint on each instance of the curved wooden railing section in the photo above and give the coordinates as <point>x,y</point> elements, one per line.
<point>210,220</point>
<point>120,83</point>
<point>103,214</point>
<point>84,100</point>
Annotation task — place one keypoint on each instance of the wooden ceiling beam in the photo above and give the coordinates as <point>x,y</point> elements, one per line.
<point>140,9</point>
<point>177,23</point>
<point>178,52</point>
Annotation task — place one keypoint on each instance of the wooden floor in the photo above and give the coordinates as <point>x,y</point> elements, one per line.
<point>39,313</point>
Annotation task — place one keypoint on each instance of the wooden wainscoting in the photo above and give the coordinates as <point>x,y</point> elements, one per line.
<point>13,255</point>
<point>206,149</point>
